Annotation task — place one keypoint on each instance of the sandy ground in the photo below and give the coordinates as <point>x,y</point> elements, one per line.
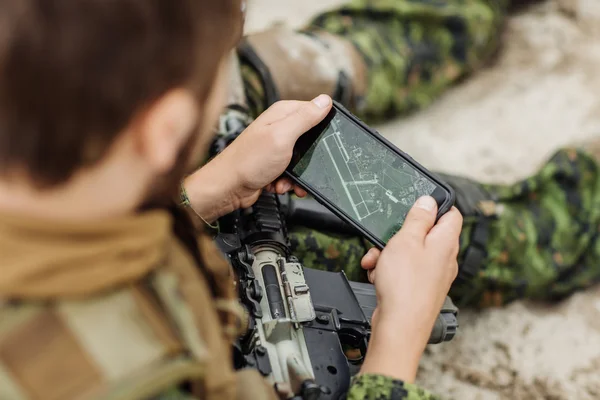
<point>542,93</point>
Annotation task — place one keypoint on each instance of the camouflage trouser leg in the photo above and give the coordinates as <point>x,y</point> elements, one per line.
<point>412,49</point>
<point>415,49</point>
<point>544,241</point>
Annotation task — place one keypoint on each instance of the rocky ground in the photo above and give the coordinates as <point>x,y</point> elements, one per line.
<point>543,92</point>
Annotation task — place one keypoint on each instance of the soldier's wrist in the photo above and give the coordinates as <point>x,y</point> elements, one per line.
<point>395,349</point>
<point>210,192</point>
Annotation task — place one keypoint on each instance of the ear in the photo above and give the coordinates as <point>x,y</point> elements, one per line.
<point>165,128</point>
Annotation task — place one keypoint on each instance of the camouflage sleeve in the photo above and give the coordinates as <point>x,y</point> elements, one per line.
<point>329,251</point>
<point>377,387</point>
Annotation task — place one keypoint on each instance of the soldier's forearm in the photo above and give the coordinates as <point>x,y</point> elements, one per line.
<point>210,192</point>
<point>393,353</point>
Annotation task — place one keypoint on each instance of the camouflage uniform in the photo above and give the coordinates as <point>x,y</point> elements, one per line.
<point>536,238</point>
<point>542,234</point>
<point>412,50</point>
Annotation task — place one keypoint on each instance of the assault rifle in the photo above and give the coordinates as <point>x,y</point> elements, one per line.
<point>308,329</point>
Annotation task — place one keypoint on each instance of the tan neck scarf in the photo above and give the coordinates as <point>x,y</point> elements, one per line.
<point>45,260</point>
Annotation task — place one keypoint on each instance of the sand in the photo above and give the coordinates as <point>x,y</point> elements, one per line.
<point>543,92</point>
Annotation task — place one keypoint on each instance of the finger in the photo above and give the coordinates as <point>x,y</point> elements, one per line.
<point>371,275</point>
<point>278,111</point>
<point>369,261</point>
<point>374,317</point>
<point>270,188</point>
<point>446,232</point>
<point>304,117</point>
<point>420,219</point>
<point>299,191</point>
<point>454,269</point>
<point>283,185</point>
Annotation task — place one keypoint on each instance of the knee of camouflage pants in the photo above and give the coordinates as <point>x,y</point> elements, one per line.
<point>299,66</point>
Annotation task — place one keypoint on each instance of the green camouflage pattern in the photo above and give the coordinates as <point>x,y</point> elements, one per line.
<point>413,49</point>
<point>329,252</point>
<point>543,244</point>
<point>378,387</point>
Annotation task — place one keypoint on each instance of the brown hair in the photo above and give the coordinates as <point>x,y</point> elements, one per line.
<point>73,74</point>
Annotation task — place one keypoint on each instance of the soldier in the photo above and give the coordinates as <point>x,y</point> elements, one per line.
<point>536,238</point>
<point>106,292</point>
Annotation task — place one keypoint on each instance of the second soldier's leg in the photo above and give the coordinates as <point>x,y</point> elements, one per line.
<point>414,50</point>
<point>538,238</point>
<point>379,57</point>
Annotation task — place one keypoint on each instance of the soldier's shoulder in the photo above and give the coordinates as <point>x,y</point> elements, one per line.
<point>114,345</point>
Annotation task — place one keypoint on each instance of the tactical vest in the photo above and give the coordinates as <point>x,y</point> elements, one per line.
<point>136,342</point>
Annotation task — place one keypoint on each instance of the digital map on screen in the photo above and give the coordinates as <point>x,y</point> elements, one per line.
<point>370,182</point>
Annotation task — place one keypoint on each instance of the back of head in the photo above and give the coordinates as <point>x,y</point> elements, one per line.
<point>73,74</point>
